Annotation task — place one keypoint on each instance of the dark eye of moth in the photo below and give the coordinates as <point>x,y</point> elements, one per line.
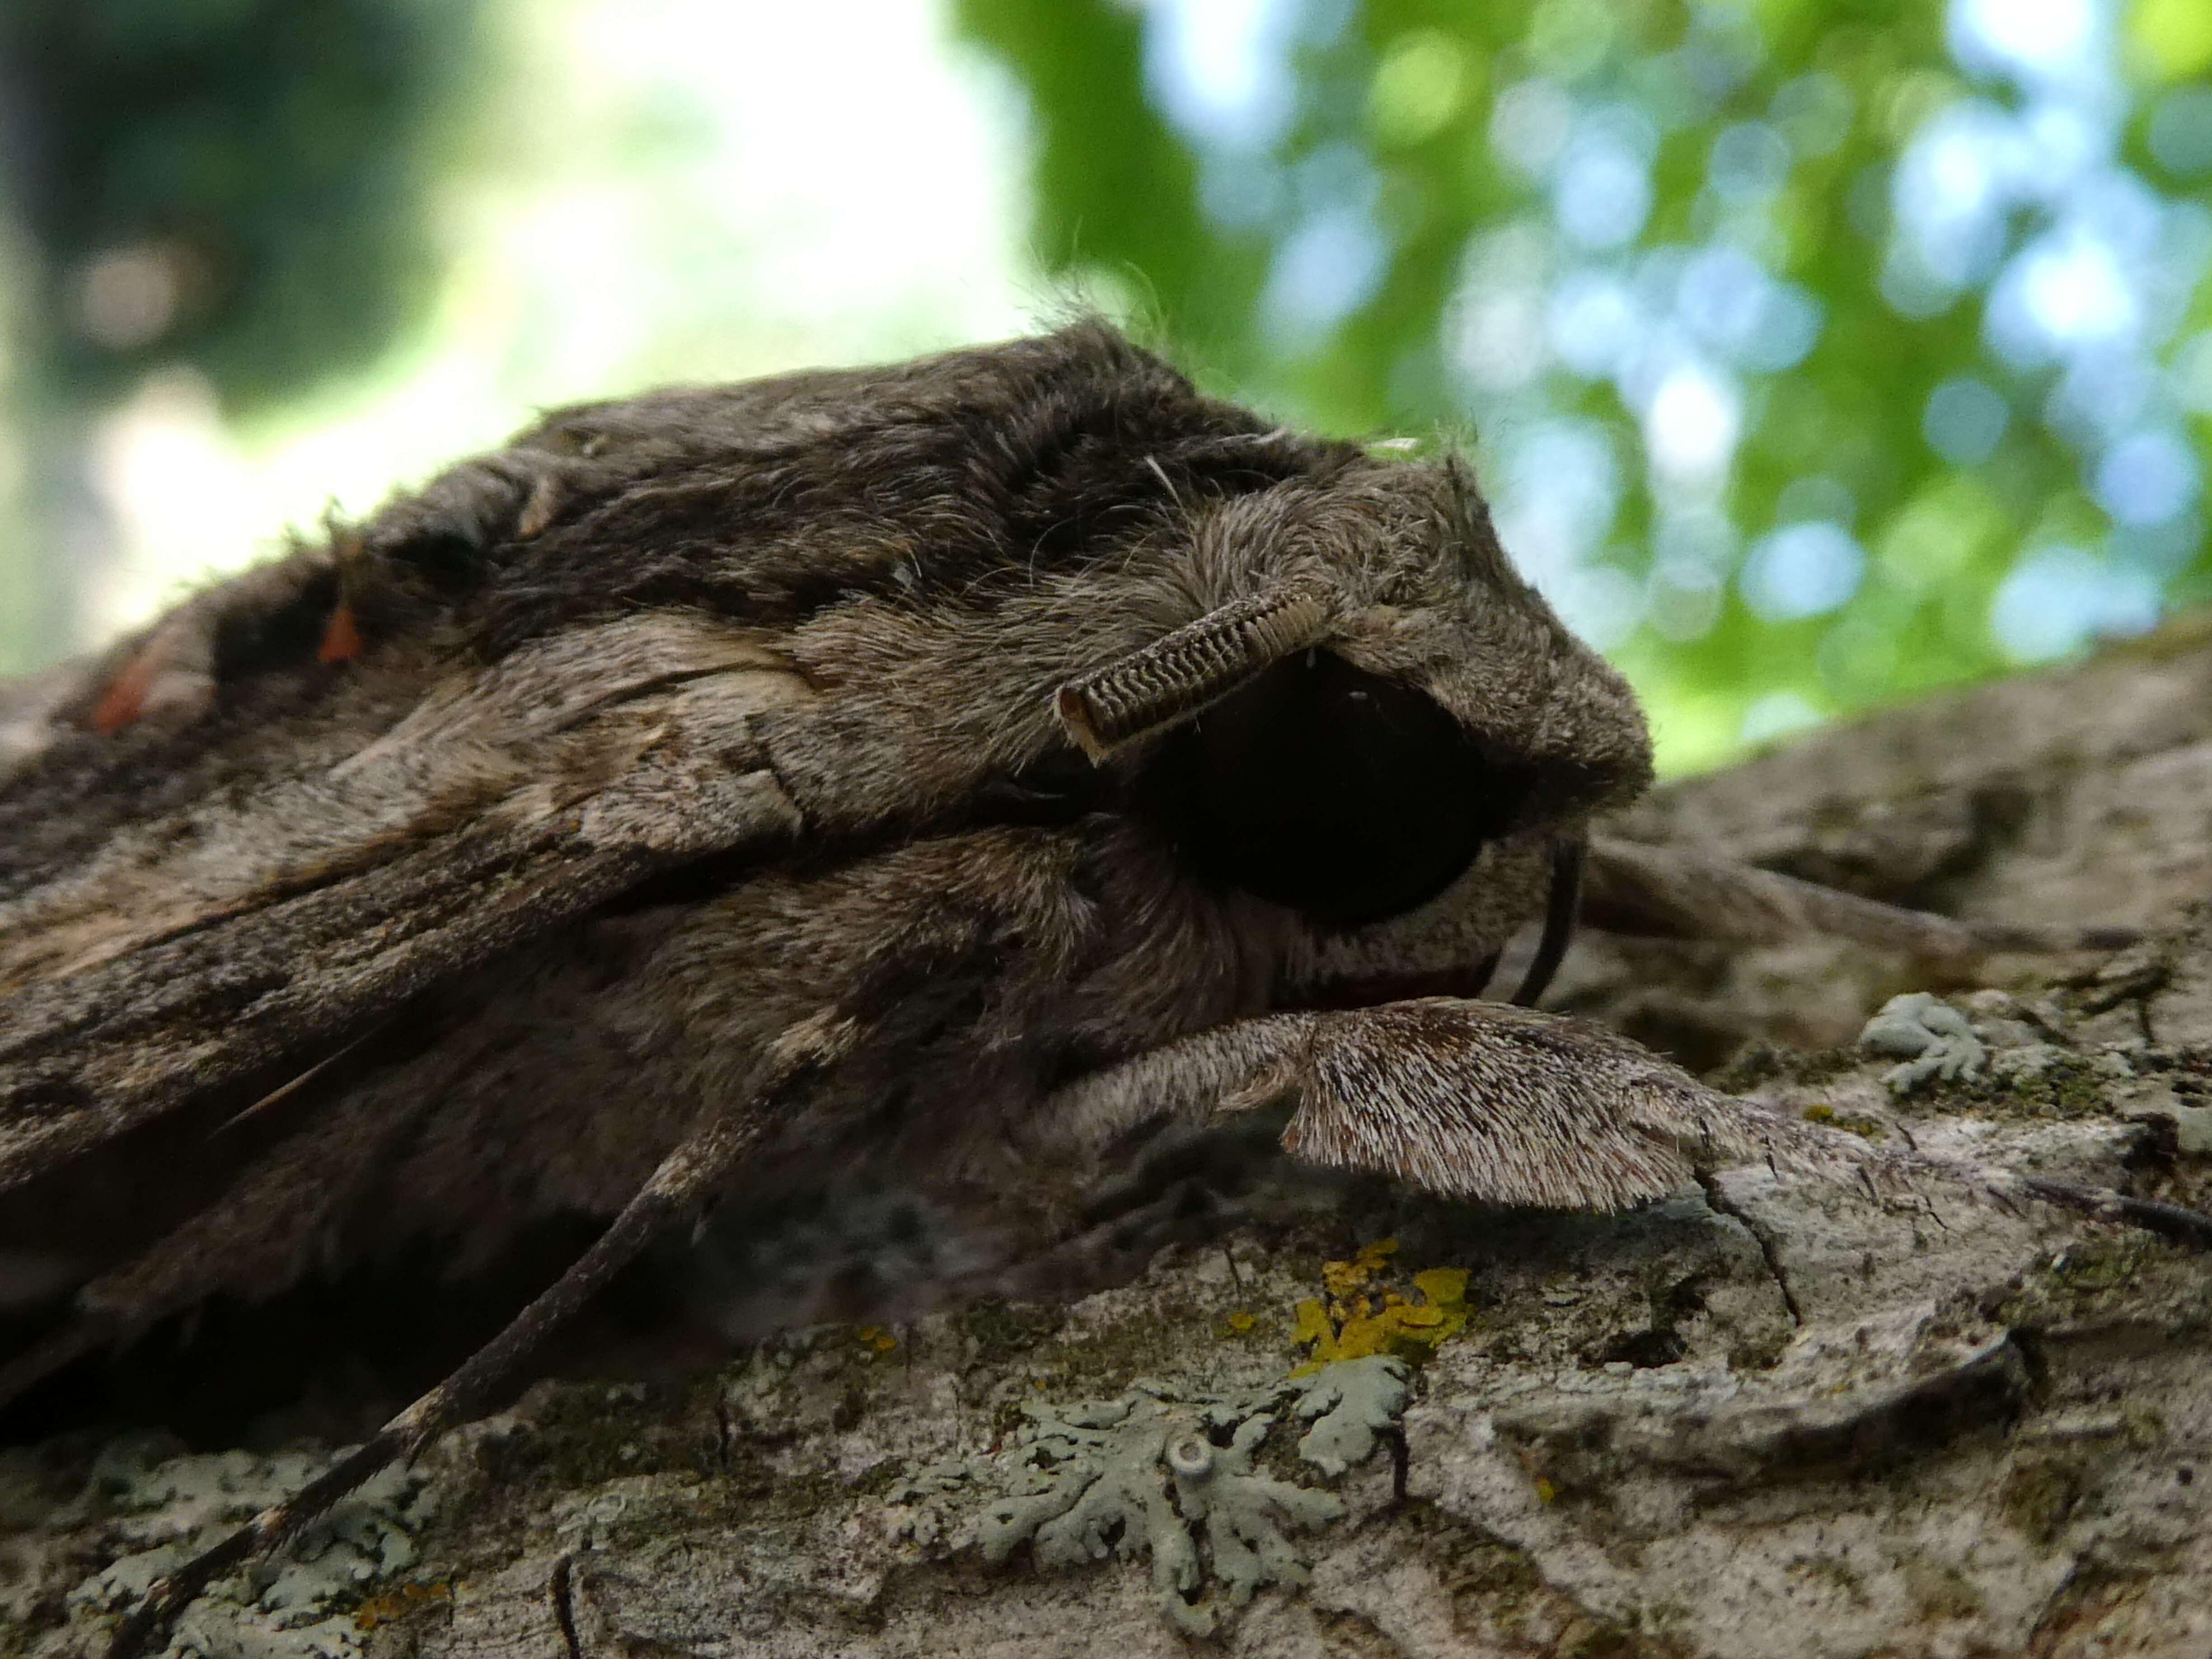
<point>1341,794</point>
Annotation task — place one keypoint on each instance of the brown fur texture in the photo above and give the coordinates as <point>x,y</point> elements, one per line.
<point>728,793</point>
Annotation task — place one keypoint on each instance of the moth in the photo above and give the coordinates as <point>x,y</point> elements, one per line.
<point>943,769</point>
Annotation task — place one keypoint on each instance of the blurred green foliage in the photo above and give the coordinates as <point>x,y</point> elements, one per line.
<point>243,186</point>
<point>1621,238</point>
<point>1814,352</point>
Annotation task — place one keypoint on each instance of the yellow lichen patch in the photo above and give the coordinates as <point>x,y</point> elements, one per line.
<point>1444,1287</point>
<point>1362,1314</point>
<point>1241,1322</point>
<point>1342,1279</point>
<point>877,1338</point>
<point>1822,1113</point>
<point>397,1603</point>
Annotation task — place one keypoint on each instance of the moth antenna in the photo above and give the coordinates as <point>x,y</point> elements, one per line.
<point>1180,673</point>
<point>687,1174</point>
<point>1560,905</point>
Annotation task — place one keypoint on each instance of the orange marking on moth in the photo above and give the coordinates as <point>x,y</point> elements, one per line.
<point>124,699</point>
<point>341,638</point>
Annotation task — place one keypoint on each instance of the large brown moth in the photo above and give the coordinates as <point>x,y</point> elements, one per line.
<point>943,769</point>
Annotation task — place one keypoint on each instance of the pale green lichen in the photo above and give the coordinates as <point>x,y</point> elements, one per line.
<point>1246,1518</point>
<point>1099,1494</point>
<point>1349,1405</point>
<point>1174,1479</point>
<point>174,1508</point>
<point>1931,1037</point>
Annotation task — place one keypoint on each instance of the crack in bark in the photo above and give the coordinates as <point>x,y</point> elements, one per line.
<point>560,1589</point>
<point>1769,1252</point>
<point>1402,1462</point>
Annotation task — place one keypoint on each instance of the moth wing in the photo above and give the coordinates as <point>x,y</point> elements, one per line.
<point>217,946</point>
<point>1476,1100</point>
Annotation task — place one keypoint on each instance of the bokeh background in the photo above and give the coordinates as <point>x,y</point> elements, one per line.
<point>1814,352</point>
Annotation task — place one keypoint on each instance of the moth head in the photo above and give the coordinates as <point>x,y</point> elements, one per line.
<point>1372,721</point>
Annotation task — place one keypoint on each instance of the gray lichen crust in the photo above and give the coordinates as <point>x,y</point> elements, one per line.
<point>158,1511</point>
<point>1174,1478</point>
<point>1934,1040</point>
<point>1349,1403</point>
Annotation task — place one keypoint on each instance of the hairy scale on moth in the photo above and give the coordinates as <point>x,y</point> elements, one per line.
<point>929,776</point>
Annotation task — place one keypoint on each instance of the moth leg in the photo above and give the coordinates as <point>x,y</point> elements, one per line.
<point>1504,1105</point>
<point>2172,1222</point>
<point>1665,892</point>
<point>694,1169</point>
<point>1476,1100</point>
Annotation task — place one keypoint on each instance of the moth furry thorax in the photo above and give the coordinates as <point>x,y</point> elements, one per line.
<point>924,777</point>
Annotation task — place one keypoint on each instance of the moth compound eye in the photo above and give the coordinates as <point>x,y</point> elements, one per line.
<point>1341,794</point>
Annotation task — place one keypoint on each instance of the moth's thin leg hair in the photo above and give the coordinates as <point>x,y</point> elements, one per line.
<point>686,1174</point>
<point>284,1092</point>
<point>1166,483</point>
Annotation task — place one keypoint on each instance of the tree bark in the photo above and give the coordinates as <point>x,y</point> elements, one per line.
<point>1771,1419</point>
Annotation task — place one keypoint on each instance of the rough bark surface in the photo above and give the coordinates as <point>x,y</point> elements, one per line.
<point>1771,1419</point>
